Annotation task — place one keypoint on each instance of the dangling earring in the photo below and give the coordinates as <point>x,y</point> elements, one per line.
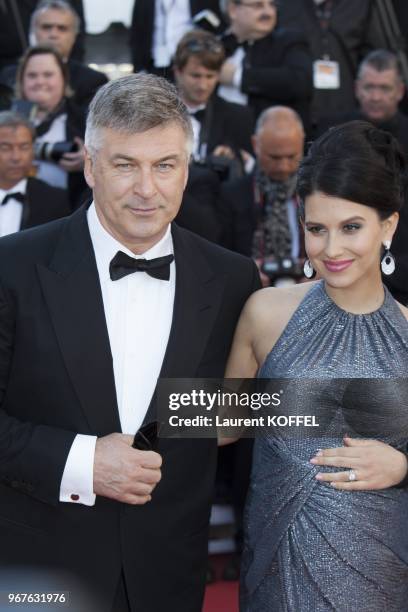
<point>308,269</point>
<point>387,261</point>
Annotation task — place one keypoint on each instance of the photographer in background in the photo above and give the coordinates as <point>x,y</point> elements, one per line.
<point>222,131</point>
<point>24,201</point>
<point>44,95</point>
<point>266,65</point>
<point>57,24</point>
<point>221,128</point>
<point>259,212</point>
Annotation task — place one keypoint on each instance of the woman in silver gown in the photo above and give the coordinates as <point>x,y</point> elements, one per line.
<point>321,536</point>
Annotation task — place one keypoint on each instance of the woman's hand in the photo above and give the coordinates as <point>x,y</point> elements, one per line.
<point>74,162</point>
<point>376,465</point>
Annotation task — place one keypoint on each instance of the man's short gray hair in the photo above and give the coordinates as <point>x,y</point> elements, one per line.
<point>57,5</point>
<point>11,119</point>
<point>133,104</point>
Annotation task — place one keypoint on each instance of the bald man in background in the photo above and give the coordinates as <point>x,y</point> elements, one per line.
<point>259,211</point>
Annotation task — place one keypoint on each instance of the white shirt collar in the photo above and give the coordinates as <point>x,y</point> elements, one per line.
<point>194,109</point>
<point>20,187</point>
<point>106,246</point>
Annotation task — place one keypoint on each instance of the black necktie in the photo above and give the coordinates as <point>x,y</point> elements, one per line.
<point>20,197</point>
<point>199,115</point>
<point>122,265</point>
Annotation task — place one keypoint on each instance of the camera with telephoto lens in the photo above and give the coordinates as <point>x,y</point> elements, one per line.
<point>225,168</point>
<point>53,151</point>
<point>276,268</point>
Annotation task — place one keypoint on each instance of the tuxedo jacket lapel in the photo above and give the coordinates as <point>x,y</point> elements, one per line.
<point>198,296</point>
<point>73,295</point>
<point>197,300</point>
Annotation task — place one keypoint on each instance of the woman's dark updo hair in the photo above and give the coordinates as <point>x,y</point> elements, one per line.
<point>358,162</point>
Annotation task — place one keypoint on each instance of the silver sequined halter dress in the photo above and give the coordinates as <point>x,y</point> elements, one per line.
<point>309,547</point>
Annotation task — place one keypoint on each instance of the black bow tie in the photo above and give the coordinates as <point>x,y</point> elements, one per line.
<point>20,197</point>
<point>122,265</point>
<point>199,115</point>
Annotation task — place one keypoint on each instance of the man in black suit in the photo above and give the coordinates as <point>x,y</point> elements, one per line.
<point>266,65</point>
<point>85,333</point>
<point>24,201</point>
<point>15,18</point>
<point>56,23</point>
<point>340,33</point>
<point>158,25</point>
<point>222,130</point>
<point>259,212</point>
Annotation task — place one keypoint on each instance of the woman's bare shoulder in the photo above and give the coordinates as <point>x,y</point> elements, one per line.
<point>267,313</point>
<point>272,301</point>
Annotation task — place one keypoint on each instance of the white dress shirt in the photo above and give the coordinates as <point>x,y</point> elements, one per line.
<point>139,312</point>
<point>196,125</point>
<point>172,19</point>
<point>233,93</point>
<point>11,213</point>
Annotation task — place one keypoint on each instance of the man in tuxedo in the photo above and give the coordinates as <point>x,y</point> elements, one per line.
<point>86,330</point>
<point>221,128</point>
<point>24,201</point>
<point>266,65</point>
<point>158,25</point>
<point>259,212</point>
<point>222,131</point>
<point>56,23</point>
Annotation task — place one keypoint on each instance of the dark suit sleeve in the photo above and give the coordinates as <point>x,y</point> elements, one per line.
<point>32,457</point>
<point>141,34</point>
<point>198,211</point>
<point>290,80</point>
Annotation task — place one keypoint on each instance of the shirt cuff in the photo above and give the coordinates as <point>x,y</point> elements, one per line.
<point>237,78</point>
<point>77,479</point>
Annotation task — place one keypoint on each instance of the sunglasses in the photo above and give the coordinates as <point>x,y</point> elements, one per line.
<point>206,45</point>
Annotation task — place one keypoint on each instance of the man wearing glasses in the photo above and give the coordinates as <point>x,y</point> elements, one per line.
<point>266,65</point>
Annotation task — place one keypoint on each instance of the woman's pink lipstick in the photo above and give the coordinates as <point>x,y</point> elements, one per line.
<point>338,266</point>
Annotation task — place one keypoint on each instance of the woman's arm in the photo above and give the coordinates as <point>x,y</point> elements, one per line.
<point>242,362</point>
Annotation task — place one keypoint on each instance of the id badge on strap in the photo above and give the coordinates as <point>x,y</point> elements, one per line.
<point>326,74</point>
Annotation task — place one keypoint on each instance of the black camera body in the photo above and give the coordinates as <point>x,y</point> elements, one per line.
<point>225,168</point>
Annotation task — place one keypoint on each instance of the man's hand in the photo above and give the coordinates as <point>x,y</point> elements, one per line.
<point>227,73</point>
<point>74,162</point>
<point>125,473</point>
<point>224,151</point>
<point>376,465</point>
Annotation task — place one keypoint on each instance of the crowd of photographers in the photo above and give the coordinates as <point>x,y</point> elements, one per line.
<point>260,79</point>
